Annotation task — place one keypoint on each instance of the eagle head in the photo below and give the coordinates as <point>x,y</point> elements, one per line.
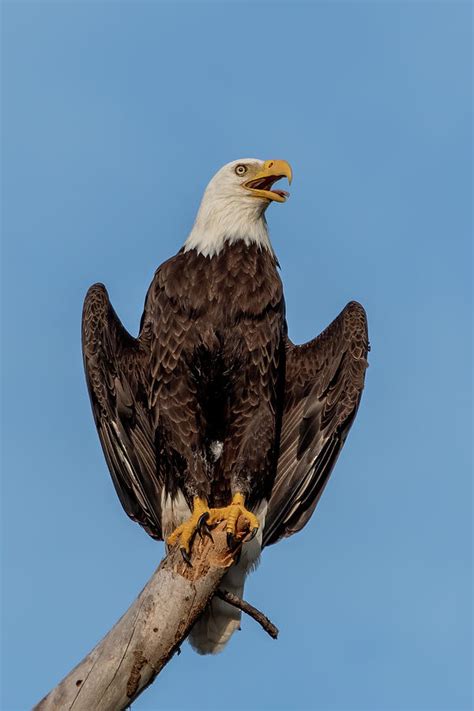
<point>251,178</point>
<point>234,203</point>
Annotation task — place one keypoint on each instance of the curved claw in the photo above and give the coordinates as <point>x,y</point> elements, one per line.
<point>253,533</point>
<point>202,527</point>
<point>186,557</point>
<point>207,532</point>
<point>202,519</point>
<point>230,540</point>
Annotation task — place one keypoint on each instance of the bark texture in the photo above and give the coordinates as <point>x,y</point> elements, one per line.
<point>136,649</point>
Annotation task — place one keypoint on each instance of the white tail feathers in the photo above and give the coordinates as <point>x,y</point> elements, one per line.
<point>220,620</point>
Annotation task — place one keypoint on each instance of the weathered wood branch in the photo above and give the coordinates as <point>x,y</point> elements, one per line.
<point>249,609</point>
<point>136,649</point>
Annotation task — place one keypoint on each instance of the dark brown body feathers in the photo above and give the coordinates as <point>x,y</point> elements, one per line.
<point>212,364</point>
<point>214,331</point>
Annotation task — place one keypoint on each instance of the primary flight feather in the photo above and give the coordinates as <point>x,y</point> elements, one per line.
<point>211,413</point>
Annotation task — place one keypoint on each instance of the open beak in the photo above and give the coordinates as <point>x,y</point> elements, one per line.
<point>261,184</point>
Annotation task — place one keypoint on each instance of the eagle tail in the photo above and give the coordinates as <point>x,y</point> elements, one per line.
<point>220,620</point>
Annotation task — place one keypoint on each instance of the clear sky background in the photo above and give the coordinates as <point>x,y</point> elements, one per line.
<point>115,116</point>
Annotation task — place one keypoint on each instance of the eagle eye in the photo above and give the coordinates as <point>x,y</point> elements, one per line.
<point>241,169</point>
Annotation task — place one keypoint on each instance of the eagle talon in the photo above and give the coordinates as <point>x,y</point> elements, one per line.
<point>207,532</point>
<point>202,520</point>
<point>231,515</point>
<point>185,555</point>
<point>186,532</point>
<point>202,527</point>
<point>253,533</point>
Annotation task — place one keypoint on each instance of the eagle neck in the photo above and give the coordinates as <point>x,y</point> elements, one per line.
<point>215,229</point>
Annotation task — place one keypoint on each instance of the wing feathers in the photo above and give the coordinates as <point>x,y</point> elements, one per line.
<point>114,374</point>
<point>324,383</point>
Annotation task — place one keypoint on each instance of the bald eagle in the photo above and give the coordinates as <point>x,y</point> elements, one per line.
<point>212,413</point>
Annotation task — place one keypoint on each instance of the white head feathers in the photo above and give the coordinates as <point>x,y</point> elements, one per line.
<point>229,212</point>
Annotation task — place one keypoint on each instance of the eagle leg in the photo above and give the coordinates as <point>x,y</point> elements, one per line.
<point>231,515</point>
<point>196,523</point>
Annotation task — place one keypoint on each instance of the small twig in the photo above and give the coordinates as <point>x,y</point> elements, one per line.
<point>258,616</point>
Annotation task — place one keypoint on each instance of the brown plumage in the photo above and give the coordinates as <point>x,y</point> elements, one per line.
<point>212,401</point>
<point>324,380</point>
<point>213,363</point>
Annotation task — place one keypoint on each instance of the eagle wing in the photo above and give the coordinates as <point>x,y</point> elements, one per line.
<point>114,364</point>
<point>324,383</point>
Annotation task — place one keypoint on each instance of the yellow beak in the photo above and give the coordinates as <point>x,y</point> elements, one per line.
<point>261,183</point>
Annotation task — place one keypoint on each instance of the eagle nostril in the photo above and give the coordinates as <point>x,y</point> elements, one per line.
<point>270,165</point>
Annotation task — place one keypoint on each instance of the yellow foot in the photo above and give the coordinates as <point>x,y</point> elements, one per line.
<point>231,514</point>
<point>197,523</point>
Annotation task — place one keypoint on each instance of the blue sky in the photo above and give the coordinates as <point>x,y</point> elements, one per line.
<point>115,116</point>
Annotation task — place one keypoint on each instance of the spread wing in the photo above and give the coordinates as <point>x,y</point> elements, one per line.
<point>114,364</point>
<point>324,383</point>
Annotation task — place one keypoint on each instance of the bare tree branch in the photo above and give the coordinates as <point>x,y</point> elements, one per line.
<point>136,649</point>
<point>258,616</point>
